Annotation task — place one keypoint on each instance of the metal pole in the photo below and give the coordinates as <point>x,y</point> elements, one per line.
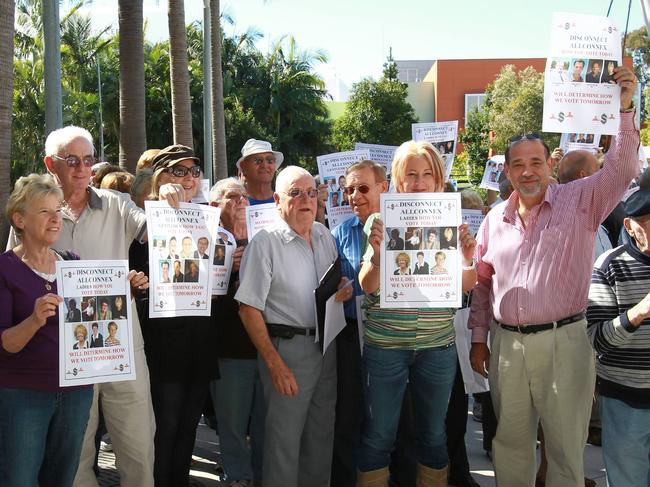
<point>52,70</point>
<point>101,111</point>
<point>207,93</point>
<point>645,7</point>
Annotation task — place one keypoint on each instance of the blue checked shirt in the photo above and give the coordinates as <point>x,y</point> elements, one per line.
<point>351,244</point>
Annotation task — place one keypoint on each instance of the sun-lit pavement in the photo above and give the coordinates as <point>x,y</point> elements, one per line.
<point>206,457</point>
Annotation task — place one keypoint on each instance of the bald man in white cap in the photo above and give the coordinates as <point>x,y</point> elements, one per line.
<point>257,167</point>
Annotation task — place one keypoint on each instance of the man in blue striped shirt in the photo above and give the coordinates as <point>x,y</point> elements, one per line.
<point>364,182</point>
<point>618,318</point>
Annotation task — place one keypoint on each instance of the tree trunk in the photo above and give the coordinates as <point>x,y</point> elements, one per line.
<point>52,68</point>
<point>6,100</point>
<point>133,130</point>
<point>219,157</point>
<point>179,74</point>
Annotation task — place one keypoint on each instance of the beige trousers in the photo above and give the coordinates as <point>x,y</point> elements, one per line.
<point>548,377</point>
<point>129,418</point>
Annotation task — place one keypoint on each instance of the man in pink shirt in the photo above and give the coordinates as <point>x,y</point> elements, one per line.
<point>534,259</point>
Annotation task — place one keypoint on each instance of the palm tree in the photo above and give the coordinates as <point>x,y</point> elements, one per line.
<point>219,155</point>
<point>6,98</point>
<point>179,75</point>
<point>133,132</point>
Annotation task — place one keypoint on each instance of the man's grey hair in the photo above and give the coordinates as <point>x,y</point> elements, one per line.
<point>59,139</point>
<point>289,174</point>
<point>222,186</point>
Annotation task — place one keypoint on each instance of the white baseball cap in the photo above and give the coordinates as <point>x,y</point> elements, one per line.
<point>254,146</point>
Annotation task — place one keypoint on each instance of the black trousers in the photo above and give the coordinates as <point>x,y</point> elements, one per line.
<point>177,407</point>
<point>456,427</point>
<point>349,408</point>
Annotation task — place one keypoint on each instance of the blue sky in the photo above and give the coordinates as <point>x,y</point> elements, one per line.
<point>356,34</point>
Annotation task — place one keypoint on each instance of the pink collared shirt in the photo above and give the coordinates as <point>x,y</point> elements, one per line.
<point>540,273</point>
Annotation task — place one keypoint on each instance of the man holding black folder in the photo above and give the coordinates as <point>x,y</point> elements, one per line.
<point>279,272</point>
<point>364,182</point>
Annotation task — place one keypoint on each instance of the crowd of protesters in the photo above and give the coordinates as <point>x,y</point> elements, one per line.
<point>393,413</point>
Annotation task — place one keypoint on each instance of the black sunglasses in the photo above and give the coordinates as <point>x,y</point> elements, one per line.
<point>530,136</point>
<point>181,171</point>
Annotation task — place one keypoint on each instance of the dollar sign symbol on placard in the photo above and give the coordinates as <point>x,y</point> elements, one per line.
<point>603,118</point>
<point>560,117</point>
<point>567,25</point>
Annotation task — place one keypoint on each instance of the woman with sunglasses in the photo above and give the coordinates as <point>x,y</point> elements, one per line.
<point>180,350</point>
<point>408,345</point>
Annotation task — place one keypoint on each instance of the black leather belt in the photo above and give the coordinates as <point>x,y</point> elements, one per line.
<point>285,331</point>
<point>525,329</point>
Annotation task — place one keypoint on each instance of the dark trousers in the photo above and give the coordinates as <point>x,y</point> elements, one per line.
<point>178,407</point>
<point>349,407</point>
<point>456,427</point>
<point>403,460</point>
<point>489,422</point>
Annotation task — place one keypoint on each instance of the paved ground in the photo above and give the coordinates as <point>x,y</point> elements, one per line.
<point>206,458</point>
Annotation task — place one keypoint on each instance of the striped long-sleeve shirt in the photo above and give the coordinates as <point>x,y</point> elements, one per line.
<point>621,278</point>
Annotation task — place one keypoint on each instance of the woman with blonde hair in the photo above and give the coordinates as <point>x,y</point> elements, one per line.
<point>42,425</point>
<point>408,345</point>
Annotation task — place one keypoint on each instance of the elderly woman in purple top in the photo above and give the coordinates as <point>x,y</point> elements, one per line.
<point>41,424</point>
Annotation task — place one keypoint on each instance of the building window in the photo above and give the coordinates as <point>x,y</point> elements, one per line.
<point>409,75</point>
<point>473,100</point>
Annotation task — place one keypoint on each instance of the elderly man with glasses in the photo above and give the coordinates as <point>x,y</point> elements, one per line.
<point>280,269</point>
<point>534,262</point>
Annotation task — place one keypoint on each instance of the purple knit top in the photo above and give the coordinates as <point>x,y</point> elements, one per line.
<point>36,366</point>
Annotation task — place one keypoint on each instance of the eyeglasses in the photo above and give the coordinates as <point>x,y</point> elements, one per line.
<point>530,136</point>
<point>181,171</point>
<point>74,161</point>
<point>297,193</point>
<point>362,188</point>
<point>268,159</point>
<point>235,197</point>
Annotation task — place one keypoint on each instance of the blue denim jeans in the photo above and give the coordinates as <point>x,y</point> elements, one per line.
<point>237,395</point>
<point>626,443</point>
<point>41,435</point>
<point>430,373</point>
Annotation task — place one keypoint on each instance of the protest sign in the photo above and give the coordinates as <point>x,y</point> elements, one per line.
<point>381,154</point>
<point>331,169</point>
<point>493,169</point>
<point>443,136</point>
<point>224,247</point>
<point>420,261</point>
<point>473,381</point>
<point>95,317</point>
<point>259,217</point>
<point>569,142</point>
<point>181,246</point>
<point>580,93</point>
<point>474,218</point>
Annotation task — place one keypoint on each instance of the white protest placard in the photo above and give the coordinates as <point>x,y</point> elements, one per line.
<point>420,261</point>
<point>224,247</point>
<point>203,195</point>
<point>493,169</point>
<point>474,218</point>
<point>259,217</point>
<point>443,136</point>
<point>331,169</point>
<point>181,245</point>
<point>569,142</point>
<point>95,332</point>
<point>381,154</point>
<point>580,94</point>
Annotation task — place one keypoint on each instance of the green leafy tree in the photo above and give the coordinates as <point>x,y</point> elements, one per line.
<point>390,67</point>
<point>376,113</point>
<point>475,137</point>
<point>516,106</point>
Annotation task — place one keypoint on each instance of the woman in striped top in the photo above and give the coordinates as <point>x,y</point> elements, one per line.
<point>414,345</point>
